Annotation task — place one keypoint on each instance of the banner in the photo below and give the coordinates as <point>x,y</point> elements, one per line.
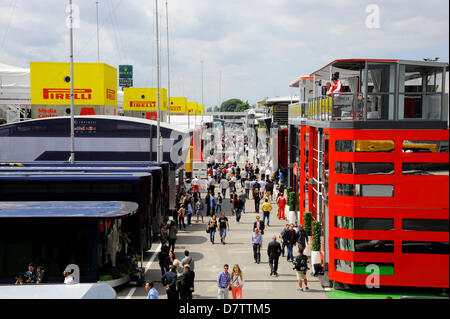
<point>125,75</point>
<point>94,83</point>
<point>144,99</point>
<point>200,110</point>
<point>178,105</point>
<point>192,107</point>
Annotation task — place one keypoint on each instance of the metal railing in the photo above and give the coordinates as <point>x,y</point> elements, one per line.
<point>342,106</point>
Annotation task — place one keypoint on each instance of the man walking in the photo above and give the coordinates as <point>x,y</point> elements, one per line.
<point>274,252</point>
<point>224,184</point>
<point>267,208</point>
<point>259,224</point>
<point>223,283</point>
<point>187,283</point>
<point>218,203</point>
<point>302,238</point>
<point>291,239</point>
<point>301,267</point>
<point>257,243</point>
<point>152,292</point>
<point>284,239</point>
<point>169,281</point>
<point>223,227</point>
<point>257,199</point>
<point>208,204</point>
<point>187,260</point>
<point>238,207</point>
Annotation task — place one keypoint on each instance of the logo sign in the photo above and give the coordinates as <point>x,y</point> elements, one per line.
<point>125,71</point>
<point>125,76</point>
<point>125,83</point>
<point>178,105</point>
<point>144,99</point>
<point>64,94</point>
<point>94,84</point>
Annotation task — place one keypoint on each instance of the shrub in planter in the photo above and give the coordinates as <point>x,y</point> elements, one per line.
<point>105,278</point>
<point>289,189</point>
<point>113,272</point>
<point>291,201</point>
<point>316,233</point>
<point>307,219</point>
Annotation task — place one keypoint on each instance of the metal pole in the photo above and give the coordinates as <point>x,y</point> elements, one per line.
<point>98,37</point>
<point>202,90</point>
<point>72,118</point>
<point>158,133</point>
<point>168,62</point>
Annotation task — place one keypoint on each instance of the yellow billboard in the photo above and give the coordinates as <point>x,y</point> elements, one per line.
<point>144,99</point>
<point>200,110</point>
<point>94,83</point>
<point>178,105</point>
<point>192,107</point>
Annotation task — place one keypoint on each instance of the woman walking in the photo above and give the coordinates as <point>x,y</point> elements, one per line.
<point>181,214</point>
<point>212,225</point>
<point>237,282</point>
<point>173,230</point>
<point>199,208</point>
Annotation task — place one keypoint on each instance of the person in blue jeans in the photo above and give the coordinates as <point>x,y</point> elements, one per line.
<point>213,204</point>
<point>223,226</point>
<point>212,224</point>
<point>291,239</point>
<point>218,203</point>
<point>189,213</point>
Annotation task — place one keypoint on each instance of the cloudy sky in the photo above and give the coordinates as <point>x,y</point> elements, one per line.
<point>256,47</point>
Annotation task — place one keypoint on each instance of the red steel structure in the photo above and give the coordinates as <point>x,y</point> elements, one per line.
<point>373,167</point>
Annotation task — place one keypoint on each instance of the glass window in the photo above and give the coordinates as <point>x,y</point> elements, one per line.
<point>420,106</point>
<point>425,247</point>
<point>364,168</point>
<point>364,246</point>
<point>381,78</point>
<point>380,106</point>
<point>364,268</point>
<point>364,190</point>
<point>357,223</point>
<point>425,146</point>
<point>440,225</point>
<point>364,146</point>
<point>425,169</point>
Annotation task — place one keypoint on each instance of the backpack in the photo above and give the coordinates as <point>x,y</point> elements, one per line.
<point>301,263</point>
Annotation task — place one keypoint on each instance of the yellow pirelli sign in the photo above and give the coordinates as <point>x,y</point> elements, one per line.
<point>192,107</point>
<point>178,105</point>
<point>144,99</point>
<point>94,83</point>
<point>200,110</point>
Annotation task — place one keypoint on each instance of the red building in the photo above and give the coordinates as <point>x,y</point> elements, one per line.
<point>372,165</point>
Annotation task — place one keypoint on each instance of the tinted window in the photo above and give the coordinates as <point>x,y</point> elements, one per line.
<point>425,224</point>
<point>425,169</point>
<point>359,246</point>
<point>364,168</point>
<point>425,146</point>
<point>364,190</point>
<point>425,247</point>
<point>364,223</point>
<point>364,146</point>
<point>363,268</point>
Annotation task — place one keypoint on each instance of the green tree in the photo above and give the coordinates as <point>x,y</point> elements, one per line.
<point>209,109</point>
<point>216,109</point>
<point>242,107</point>
<point>230,105</point>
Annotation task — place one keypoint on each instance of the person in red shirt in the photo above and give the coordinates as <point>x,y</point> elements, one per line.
<point>281,207</point>
<point>337,86</point>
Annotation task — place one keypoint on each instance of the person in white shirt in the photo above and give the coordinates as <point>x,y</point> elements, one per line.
<point>224,184</point>
<point>68,279</point>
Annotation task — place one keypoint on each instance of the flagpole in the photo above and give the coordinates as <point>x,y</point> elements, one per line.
<point>72,118</point>
<point>158,154</point>
<point>168,63</point>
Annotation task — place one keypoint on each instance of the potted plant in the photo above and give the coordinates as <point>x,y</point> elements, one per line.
<point>291,205</point>
<point>307,219</point>
<point>316,257</point>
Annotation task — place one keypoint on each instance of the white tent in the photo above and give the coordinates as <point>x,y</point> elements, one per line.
<point>14,91</point>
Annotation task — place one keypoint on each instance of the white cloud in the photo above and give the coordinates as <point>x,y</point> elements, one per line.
<point>259,45</point>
